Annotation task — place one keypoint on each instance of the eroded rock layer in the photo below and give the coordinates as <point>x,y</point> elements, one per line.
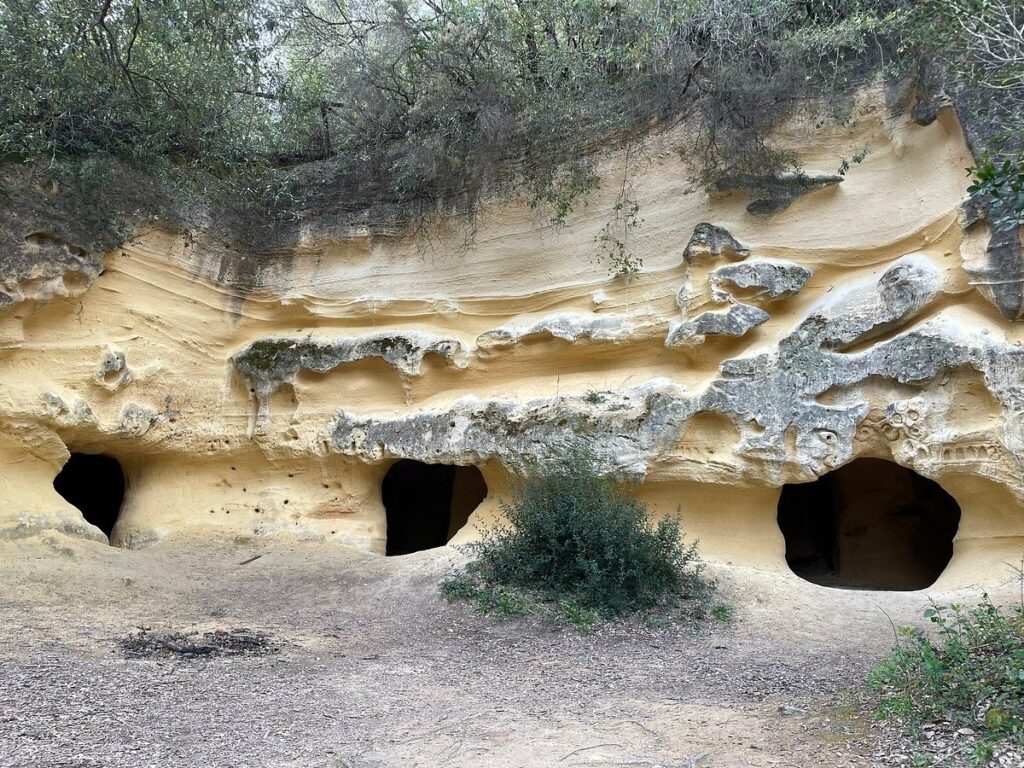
<point>777,332</point>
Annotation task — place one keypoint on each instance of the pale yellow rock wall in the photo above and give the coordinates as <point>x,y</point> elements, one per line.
<point>202,467</point>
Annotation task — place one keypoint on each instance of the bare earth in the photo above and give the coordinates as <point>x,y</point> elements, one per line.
<point>375,669</point>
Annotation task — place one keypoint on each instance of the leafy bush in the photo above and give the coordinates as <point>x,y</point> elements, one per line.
<point>437,99</point>
<point>429,106</point>
<point>579,544</point>
<point>420,100</point>
<point>1002,187</point>
<point>970,675</point>
<point>156,82</point>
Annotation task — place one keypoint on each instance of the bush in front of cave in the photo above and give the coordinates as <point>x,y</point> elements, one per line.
<point>579,547</point>
<point>959,689</point>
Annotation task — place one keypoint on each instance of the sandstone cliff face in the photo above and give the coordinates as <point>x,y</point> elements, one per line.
<point>762,344</point>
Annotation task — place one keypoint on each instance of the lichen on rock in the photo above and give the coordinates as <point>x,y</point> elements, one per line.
<point>772,279</point>
<point>625,428</point>
<point>711,241</point>
<point>774,192</point>
<point>137,420</point>
<point>734,321</point>
<point>266,364</point>
<point>569,326</point>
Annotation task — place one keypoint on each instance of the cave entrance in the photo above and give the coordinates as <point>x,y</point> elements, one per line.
<point>870,524</point>
<point>427,504</point>
<point>95,484</point>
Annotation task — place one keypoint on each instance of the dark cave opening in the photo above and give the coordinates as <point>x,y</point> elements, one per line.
<point>95,484</point>
<point>870,524</point>
<point>427,504</point>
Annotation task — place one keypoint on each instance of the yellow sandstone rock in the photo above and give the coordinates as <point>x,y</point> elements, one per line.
<point>272,401</point>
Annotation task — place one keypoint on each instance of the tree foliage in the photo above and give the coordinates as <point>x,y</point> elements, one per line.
<point>982,42</point>
<point>444,95</point>
<point>447,100</point>
<point>163,80</point>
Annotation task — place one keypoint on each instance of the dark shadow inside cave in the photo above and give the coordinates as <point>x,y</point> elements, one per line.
<point>427,504</point>
<point>870,524</point>
<point>95,484</point>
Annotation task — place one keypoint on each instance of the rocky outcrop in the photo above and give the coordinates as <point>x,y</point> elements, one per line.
<point>113,372</point>
<point>779,391</point>
<point>773,398</point>
<point>626,429</point>
<point>930,94</point>
<point>774,192</point>
<point>770,279</point>
<point>735,321</point>
<point>44,266</point>
<point>1001,278</point>
<point>998,272</point>
<point>709,241</point>
<point>254,396</point>
<point>268,363</point>
<point>58,224</point>
<point>568,327</point>
<point>990,131</point>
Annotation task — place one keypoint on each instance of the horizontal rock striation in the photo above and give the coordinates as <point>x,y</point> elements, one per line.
<point>250,394</point>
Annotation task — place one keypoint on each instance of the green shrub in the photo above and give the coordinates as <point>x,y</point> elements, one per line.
<point>436,103</point>
<point>971,674</point>
<point>579,545</point>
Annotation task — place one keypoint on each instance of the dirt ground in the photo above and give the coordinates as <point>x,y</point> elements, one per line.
<point>374,669</point>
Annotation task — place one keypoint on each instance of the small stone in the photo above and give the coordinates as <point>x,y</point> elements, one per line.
<point>788,710</point>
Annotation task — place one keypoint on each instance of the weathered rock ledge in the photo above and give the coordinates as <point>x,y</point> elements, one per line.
<point>775,335</point>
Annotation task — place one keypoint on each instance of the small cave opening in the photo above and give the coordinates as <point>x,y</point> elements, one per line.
<point>871,524</point>
<point>95,484</point>
<point>427,504</point>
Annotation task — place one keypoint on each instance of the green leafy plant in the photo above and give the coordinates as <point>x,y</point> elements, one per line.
<point>427,106</point>
<point>858,157</point>
<point>723,612</point>
<point>1001,186</point>
<point>969,673</point>
<point>613,239</point>
<point>580,547</point>
<point>559,190</point>
<point>979,43</point>
<point>162,83</point>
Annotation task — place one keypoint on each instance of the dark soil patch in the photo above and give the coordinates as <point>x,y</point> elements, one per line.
<point>146,644</point>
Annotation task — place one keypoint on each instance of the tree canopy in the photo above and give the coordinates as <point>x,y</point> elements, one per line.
<point>445,100</point>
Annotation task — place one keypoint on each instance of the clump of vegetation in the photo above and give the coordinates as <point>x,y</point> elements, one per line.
<point>578,546</point>
<point>1001,186</point>
<point>968,675</point>
<point>172,81</point>
<point>428,106</point>
<point>980,44</point>
<point>421,100</point>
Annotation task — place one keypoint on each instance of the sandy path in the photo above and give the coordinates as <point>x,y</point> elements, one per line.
<point>375,669</point>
